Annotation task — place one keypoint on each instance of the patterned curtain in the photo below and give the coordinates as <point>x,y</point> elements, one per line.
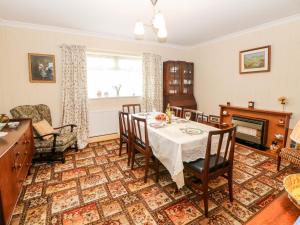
<point>74,90</point>
<point>152,82</point>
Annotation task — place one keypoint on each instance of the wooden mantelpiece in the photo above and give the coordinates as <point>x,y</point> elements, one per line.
<point>273,117</point>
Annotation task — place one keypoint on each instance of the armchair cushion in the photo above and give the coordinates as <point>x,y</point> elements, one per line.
<point>43,127</point>
<point>63,141</point>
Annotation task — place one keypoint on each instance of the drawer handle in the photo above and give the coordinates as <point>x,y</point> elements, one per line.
<point>26,153</point>
<point>17,154</point>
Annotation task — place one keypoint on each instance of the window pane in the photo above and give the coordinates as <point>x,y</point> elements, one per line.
<point>105,74</point>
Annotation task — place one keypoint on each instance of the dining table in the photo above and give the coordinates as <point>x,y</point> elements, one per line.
<point>177,142</point>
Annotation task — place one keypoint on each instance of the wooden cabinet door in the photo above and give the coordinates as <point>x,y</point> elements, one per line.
<point>9,189</point>
<point>187,74</point>
<point>173,78</point>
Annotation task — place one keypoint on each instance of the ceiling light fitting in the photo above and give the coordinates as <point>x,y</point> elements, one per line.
<point>157,23</point>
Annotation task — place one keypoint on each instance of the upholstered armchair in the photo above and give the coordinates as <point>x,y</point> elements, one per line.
<point>289,154</point>
<point>53,148</point>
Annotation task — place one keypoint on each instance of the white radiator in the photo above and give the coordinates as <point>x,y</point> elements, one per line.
<point>102,122</point>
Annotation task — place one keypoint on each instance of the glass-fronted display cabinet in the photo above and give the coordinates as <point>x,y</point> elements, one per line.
<point>179,83</point>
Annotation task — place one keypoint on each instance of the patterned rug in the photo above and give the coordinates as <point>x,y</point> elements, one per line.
<point>95,186</point>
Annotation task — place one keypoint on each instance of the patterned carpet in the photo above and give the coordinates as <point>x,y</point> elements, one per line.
<point>95,186</point>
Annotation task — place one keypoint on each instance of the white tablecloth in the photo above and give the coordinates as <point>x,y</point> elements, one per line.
<point>173,147</point>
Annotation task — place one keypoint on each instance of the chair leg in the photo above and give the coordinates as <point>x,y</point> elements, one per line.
<point>278,163</point>
<point>157,170</point>
<point>129,153</point>
<point>205,197</point>
<point>76,146</point>
<point>230,185</point>
<point>132,157</point>
<point>146,168</point>
<point>120,147</point>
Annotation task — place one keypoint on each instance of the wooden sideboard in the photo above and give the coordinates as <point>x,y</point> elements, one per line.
<point>16,152</point>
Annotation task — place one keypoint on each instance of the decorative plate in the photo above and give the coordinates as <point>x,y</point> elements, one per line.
<point>157,125</point>
<point>193,131</point>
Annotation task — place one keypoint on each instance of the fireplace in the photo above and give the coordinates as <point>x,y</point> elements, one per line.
<point>251,131</point>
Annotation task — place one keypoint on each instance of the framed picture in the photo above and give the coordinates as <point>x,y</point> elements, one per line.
<point>41,68</point>
<point>214,119</point>
<point>255,60</point>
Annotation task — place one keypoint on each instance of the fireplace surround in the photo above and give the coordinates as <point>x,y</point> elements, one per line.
<point>276,127</point>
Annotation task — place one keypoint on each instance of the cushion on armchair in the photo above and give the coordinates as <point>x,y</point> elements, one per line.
<point>42,128</point>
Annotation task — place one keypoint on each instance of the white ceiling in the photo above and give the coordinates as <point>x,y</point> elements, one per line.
<point>189,22</point>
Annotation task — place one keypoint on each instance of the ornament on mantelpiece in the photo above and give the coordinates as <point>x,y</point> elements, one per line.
<point>228,103</point>
<point>251,104</point>
<point>283,101</point>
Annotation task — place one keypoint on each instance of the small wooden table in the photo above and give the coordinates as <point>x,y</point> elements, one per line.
<point>281,211</point>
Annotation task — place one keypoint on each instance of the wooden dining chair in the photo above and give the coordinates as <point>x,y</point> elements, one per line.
<point>215,165</point>
<point>176,110</point>
<point>140,143</point>
<point>125,133</point>
<point>131,108</point>
<point>201,117</point>
<point>193,113</point>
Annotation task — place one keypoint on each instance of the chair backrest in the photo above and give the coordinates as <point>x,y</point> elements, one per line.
<point>34,112</point>
<point>225,140</point>
<point>193,113</point>
<point>124,124</point>
<point>176,110</point>
<point>201,117</point>
<point>131,108</point>
<point>139,134</point>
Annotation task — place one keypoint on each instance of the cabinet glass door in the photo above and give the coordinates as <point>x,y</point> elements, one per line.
<point>174,79</point>
<point>187,78</point>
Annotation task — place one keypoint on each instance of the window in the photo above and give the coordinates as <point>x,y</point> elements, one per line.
<point>106,74</point>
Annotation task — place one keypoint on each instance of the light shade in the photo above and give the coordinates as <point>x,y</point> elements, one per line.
<point>295,135</point>
<point>139,30</point>
<point>159,21</point>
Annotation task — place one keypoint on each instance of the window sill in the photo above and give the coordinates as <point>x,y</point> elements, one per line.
<point>113,97</point>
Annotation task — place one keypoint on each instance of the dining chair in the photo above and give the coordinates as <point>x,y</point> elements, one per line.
<point>131,108</point>
<point>140,143</point>
<point>193,113</point>
<point>215,165</point>
<point>201,117</point>
<point>125,133</point>
<point>176,110</point>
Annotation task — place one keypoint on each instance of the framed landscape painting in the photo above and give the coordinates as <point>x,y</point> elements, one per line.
<point>255,60</point>
<point>41,68</point>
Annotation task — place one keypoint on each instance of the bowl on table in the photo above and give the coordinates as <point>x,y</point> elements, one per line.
<point>291,184</point>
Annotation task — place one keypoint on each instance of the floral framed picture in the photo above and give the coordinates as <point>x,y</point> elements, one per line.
<point>41,68</point>
<point>255,60</point>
